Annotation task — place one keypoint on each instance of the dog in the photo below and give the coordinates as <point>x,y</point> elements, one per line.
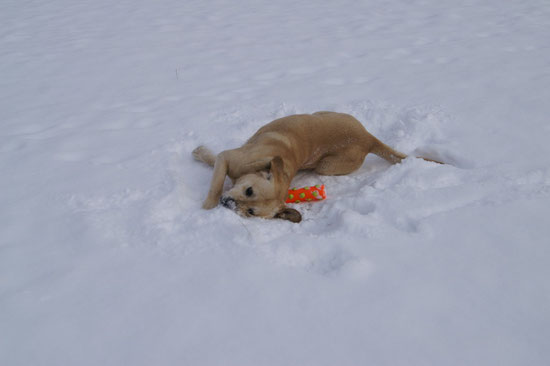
<point>328,143</point>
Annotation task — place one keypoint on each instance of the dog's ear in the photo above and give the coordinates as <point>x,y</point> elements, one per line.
<point>276,168</point>
<point>289,214</point>
<point>275,165</point>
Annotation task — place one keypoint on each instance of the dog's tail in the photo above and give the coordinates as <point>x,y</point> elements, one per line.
<point>393,156</point>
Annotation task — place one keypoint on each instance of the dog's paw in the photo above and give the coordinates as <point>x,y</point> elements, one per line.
<point>202,153</point>
<point>199,152</point>
<point>209,204</point>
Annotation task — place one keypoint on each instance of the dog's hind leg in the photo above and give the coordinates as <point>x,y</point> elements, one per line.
<point>202,153</point>
<point>341,163</point>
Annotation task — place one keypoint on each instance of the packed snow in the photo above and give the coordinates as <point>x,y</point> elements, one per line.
<point>106,257</point>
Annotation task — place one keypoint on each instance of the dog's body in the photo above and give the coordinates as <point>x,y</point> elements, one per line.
<point>262,169</point>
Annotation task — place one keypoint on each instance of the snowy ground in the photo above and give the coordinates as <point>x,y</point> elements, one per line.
<point>107,259</point>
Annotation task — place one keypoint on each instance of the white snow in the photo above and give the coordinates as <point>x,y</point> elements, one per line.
<point>106,257</point>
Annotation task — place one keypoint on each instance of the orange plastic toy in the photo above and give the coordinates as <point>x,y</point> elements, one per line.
<point>306,194</point>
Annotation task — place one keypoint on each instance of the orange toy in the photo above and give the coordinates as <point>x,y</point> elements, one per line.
<point>306,194</point>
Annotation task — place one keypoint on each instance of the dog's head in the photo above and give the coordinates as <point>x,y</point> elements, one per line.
<point>262,194</point>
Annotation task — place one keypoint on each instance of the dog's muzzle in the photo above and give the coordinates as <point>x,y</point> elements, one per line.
<point>228,202</point>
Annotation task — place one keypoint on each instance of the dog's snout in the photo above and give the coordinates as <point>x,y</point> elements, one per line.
<point>227,202</point>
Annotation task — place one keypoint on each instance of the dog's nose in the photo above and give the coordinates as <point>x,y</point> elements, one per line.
<point>227,202</point>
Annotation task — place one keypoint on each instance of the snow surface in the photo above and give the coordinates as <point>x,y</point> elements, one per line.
<point>107,259</point>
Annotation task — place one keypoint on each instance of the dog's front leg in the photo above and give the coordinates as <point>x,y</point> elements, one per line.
<point>216,186</point>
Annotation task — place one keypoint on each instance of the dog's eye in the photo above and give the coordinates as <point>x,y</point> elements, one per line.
<point>249,192</point>
<point>250,211</point>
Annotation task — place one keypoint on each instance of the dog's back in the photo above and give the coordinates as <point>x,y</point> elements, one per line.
<point>309,137</point>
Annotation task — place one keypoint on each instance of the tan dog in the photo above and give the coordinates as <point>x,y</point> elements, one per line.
<point>262,169</point>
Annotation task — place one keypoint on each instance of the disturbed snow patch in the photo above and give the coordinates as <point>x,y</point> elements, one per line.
<point>361,207</point>
<point>374,204</point>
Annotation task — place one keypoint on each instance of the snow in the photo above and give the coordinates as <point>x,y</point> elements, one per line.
<point>106,257</point>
